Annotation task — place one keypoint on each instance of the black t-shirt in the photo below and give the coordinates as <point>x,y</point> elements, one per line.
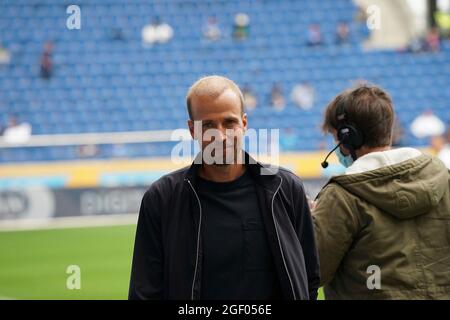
<point>237,262</point>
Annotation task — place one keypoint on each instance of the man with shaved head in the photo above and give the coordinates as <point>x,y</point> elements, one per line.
<point>226,227</point>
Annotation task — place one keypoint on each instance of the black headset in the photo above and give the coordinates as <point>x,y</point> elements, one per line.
<point>348,133</point>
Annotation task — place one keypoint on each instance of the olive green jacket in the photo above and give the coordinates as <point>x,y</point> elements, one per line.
<point>396,218</point>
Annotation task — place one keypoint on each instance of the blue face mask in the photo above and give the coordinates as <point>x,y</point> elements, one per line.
<point>346,161</point>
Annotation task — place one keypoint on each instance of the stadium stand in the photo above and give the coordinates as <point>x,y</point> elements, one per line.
<point>101,84</point>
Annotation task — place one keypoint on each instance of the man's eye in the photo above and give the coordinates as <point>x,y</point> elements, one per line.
<point>229,124</point>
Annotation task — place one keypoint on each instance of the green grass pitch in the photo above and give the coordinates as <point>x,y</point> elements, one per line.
<point>33,263</point>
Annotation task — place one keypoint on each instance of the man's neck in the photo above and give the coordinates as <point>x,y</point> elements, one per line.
<point>365,150</point>
<point>224,173</point>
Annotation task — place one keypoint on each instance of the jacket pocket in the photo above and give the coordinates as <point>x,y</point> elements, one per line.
<point>257,254</point>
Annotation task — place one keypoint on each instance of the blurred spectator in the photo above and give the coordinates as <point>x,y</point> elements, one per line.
<point>241,26</point>
<point>342,33</point>
<point>277,100</point>
<point>5,56</point>
<point>88,151</point>
<point>211,31</point>
<point>398,134</point>
<point>416,45</point>
<point>432,40</point>
<point>46,61</point>
<point>314,35</point>
<point>16,132</point>
<point>427,125</point>
<point>250,100</point>
<point>360,15</point>
<point>303,95</point>
<point>156,32</point>
<point>116,34</point>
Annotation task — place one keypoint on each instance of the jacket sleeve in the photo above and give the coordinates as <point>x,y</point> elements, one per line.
<point>335,226</point>
<point>305,232</point>
<point>147,266</point>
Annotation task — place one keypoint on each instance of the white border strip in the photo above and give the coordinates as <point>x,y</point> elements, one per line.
<point>99,138</point>
<point>68,222</point>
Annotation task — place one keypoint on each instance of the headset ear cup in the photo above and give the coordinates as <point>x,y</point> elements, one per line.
<point>356,137</point>
<point>350,137</point>
<point>342,135</point>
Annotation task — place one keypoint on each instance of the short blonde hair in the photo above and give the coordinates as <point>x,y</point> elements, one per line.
<point>212,86</point>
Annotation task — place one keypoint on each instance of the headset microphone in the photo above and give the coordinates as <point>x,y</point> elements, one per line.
<point>324,164</point>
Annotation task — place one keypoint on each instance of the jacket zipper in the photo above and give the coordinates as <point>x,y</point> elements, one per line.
<point>279,242</point>
<point>198,238</point>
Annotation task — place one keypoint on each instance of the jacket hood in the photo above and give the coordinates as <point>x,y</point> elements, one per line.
<point>404,189</point>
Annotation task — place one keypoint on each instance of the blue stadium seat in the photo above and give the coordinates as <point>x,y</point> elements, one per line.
<point>101,85</point>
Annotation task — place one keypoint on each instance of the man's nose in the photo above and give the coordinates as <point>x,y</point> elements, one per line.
<point>222,136</point>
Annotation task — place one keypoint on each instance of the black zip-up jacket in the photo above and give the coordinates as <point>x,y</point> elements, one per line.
<point>167,257</point>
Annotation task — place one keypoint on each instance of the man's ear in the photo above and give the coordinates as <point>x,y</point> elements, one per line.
<point>195,125</point>
<point>245,121</point>
<point>191,128</point>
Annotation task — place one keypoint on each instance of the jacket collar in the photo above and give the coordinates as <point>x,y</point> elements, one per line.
<point>262,174</point>
<point>379,159</point>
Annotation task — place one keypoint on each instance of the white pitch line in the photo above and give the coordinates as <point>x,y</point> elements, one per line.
<point>68,222</point>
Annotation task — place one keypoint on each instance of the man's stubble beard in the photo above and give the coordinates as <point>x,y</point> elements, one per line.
<point>226,161</point>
